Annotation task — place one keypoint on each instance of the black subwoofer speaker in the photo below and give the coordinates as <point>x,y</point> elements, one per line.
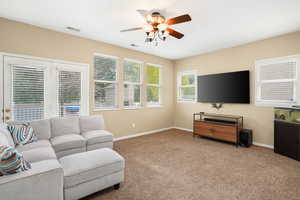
<point>246,137</point>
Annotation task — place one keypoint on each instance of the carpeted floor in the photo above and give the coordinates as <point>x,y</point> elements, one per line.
<point>172,165</point>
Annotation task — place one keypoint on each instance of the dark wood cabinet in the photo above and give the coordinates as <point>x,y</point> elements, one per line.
<point>286,138</point>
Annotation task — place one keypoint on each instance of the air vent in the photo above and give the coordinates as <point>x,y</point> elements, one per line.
<point>134,45</point>
<point>73,29</point>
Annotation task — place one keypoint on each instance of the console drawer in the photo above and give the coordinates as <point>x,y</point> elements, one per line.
<point>226,136</point>
<point>217,131</point>
<point>203,131</point>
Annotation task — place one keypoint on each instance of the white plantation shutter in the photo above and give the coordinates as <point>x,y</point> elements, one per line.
<point>278,91</point>
<point>286,70</point>
<point>27,93</point>
<point>276,81</point>
<point>69,93</point>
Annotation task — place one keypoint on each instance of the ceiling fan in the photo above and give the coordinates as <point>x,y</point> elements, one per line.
<point>158,27</point>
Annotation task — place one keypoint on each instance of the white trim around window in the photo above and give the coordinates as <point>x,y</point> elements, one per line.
<point>180,86</point>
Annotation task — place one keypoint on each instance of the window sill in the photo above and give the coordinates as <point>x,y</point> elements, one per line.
<point>106,109</point>
<point>133,108</point>
<point>154,106</point>
<point>182,101</point>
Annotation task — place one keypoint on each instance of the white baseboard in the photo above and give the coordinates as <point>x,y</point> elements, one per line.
<point>263,145</point>
<point>179,128</point>
<point>141,134</point>
<point>184,129</point>
<point>254,143</point>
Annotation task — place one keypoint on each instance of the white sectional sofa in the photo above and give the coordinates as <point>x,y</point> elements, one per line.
<point>58,154</point>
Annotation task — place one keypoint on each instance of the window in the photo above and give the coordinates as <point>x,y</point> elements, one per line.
<point>153,86</point>
<point>132,84</point>
<point>186,87</point>
<point>105,82</point>
<point>276,81</point>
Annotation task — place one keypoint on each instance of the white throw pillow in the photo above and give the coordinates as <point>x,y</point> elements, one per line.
<point>6,136</point>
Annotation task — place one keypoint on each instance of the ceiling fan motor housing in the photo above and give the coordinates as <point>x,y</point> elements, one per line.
<point>156,19</point>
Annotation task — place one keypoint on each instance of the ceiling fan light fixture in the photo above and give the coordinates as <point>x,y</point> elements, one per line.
<point>162,27</point>
<point>148,18</point>
<point>158,28</point>
<point>148,28</point>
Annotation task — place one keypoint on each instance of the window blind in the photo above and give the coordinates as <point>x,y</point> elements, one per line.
<point>278,91</point>
<point>69,93</point>
<point>285,70</point>
<point>27,93</point>
<point>277,81</point>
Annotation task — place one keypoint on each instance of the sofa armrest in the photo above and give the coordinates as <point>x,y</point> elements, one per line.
<point>43,181</point>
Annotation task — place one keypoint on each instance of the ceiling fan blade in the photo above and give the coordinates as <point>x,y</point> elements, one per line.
<point>143,13</point>
<point>132,29</point>
<point>174,33</point>
<point>179,19</point>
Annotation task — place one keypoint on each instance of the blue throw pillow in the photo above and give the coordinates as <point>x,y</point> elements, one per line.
<point>22,134</point>
<point>11,161</point>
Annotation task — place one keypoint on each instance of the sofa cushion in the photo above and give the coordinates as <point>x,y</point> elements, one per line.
<point>3,140</point>
<point>34,145</point>
<point>22,133</point>
<point>6,136</point>
<point>39,154</point>
<point>91,123</point>
<point>61,154</point>
<point>97,136</point>
<point>64,126</point>
<point>11,161</point>
<point>83,167</point>
<point>66,142</point>
<point>99,146</point>
<point>42,129</point>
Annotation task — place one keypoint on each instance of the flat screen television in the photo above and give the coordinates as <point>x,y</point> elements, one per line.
<point>232,87</point>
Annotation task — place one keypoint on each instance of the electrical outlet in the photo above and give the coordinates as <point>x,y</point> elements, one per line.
<point>133,125</point>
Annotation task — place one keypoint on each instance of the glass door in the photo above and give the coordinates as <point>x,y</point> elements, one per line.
<point>1,89</point>
<point>24,89</point>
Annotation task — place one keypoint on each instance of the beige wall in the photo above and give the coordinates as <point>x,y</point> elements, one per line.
<point>260,119</point>
<point>19,38</point>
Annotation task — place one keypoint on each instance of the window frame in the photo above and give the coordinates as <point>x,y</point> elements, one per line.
<point>116,82</point>
<point>141,64</point>
<point>159,85</point>
<point>295,81</point>
<point>179,86</point>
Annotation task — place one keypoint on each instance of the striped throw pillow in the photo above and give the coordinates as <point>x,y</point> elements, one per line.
<point>22,134</point>
<point>11,161</point>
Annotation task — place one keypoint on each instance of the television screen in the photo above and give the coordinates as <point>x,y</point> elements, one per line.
<point>232,87</point>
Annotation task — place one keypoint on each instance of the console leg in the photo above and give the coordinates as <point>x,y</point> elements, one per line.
<point>117,186</point>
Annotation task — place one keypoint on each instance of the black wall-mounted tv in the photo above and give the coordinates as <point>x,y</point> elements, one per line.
<point>232,87</point>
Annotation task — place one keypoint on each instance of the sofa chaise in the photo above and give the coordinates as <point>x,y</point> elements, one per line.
<point>72,158</point>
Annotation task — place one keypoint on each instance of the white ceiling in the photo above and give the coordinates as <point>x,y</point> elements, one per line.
<point>216,24</point>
